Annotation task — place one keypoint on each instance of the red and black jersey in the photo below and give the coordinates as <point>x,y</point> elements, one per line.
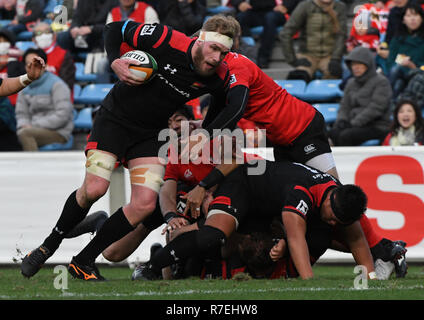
<point>151,104</point>
<point>191,174</point>
<point>266,103</point>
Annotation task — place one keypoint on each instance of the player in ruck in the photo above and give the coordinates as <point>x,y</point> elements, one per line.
<point>127,127</point>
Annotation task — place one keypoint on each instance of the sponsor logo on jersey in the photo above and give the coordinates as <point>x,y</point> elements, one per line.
<point>147,30</point>
<point>171,70</point>
<point>188,174</point>
<point>182,92</point>
<point>309,148</point>
<point>233,78</point>
<point>302,207</point>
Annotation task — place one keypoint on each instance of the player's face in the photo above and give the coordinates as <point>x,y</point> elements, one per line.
<point>174,122</point>
<point>207,57</point>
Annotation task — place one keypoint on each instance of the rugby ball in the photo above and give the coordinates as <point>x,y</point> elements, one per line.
<point>144,66</point>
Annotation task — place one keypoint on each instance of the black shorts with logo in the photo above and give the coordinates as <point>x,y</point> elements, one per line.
<point>310,143</point>
<point>122,138</point>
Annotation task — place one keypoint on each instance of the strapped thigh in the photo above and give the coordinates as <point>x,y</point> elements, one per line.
<point>148,175</point>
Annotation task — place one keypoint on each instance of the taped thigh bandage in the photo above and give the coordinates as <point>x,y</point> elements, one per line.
<point>323,162</point>
<point>148,175</point>
<point>100,164</point>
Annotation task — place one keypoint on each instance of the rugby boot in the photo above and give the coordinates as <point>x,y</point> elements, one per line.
<point>34,260</point>
<point>145,271</point>
<point>91,224</point>
<point>84,272</point>
<point>401,267</point>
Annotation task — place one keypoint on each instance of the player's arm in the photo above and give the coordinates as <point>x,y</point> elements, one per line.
<point>296,229</point>
<point>11,86</point>
<point>358,245</point>
<point>234,103</point>
<point>168,205</point>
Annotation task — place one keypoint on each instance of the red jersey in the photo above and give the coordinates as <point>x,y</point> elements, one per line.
<point>270,106</point>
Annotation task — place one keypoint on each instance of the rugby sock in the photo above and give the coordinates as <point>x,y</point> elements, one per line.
<point>114,228</point>
<point>372,237</point>
<point>71,215</point>
<point>206,242</point>
<point>180,248</point>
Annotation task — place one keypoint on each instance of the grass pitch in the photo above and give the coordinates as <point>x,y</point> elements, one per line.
<point>330,283</point>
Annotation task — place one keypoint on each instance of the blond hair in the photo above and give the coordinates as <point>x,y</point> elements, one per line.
<point>226,25</point>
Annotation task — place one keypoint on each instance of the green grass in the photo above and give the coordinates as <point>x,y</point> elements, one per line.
<point>330,283</point>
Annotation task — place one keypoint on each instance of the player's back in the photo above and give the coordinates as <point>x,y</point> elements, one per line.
<point>270,106</point>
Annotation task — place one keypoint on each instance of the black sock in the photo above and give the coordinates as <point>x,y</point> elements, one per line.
<point>114,228</point>
<point>71,215</point>
<point>178,249</point>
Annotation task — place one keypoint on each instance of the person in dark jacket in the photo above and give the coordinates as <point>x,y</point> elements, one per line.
<point>364,112</point>
<point>33,11</point>
<point>266,13</point>
<point>88,22</point>
<point>186,16</point>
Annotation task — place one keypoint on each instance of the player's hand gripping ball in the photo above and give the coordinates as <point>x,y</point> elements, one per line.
<point>144,67</point>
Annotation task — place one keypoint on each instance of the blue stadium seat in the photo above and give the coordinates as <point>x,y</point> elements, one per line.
<point>328,110</point>
<point>81,76</point>
<point>219,9</point>
<point>77,93</point>
<point>4,23</point>
<point>248,40</point>
<point>24,36</point>
<point>24,45</point>
<point>294,87</point>
<point>256,31</point>
<point>58,146</point>
<point>83,119</point>
<point>370,143</point>
<point>323,90</point>
<point>94,93</point>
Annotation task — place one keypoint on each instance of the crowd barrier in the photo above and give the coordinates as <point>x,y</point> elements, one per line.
<point>34,187</point>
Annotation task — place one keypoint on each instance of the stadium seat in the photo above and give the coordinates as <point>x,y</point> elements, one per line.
<point>58,146</point>
<point>256,31</point>
<point>328,110</point>
<point>219,9</point>
<point>323,90</point>
<point>24,36</point>
<point>370,143</point>
<point>83,119</point>
<point>294,87</point>
<point>94,93</point>
<point>248,40</point>
<point>4,23</point>
<point>77,92</point>
<point>81,76</point>
<point>24,45</point>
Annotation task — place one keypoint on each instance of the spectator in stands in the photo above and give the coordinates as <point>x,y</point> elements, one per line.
<point>415,88</point>
<point>323,25</point>
<point>395,19</point>
<point>266,13</point>
<point>7,9</point>
<point>60,61</point>
<point>9,64</point>
<point>27,16</point>
<point>138,11</point>
<point>186,16</point>
<point>8,138</point>
<point>364,112</point>
<point>406,50</point>
<point>408,125</point>
<point>44,109</point>
<point>86,31</point>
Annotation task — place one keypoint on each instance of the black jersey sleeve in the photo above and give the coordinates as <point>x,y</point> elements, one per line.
<point>226,110</point>
<point>145,37</point>
<point>299,201</point>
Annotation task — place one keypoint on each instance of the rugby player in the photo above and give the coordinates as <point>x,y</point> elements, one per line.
<point>299,194</point>
<point>127,127</point>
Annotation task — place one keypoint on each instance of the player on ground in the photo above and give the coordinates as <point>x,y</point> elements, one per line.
<point>297,193</point>
<point>127,127</point>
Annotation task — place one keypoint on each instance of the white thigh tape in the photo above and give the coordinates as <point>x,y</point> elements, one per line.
<point>148,175</point>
